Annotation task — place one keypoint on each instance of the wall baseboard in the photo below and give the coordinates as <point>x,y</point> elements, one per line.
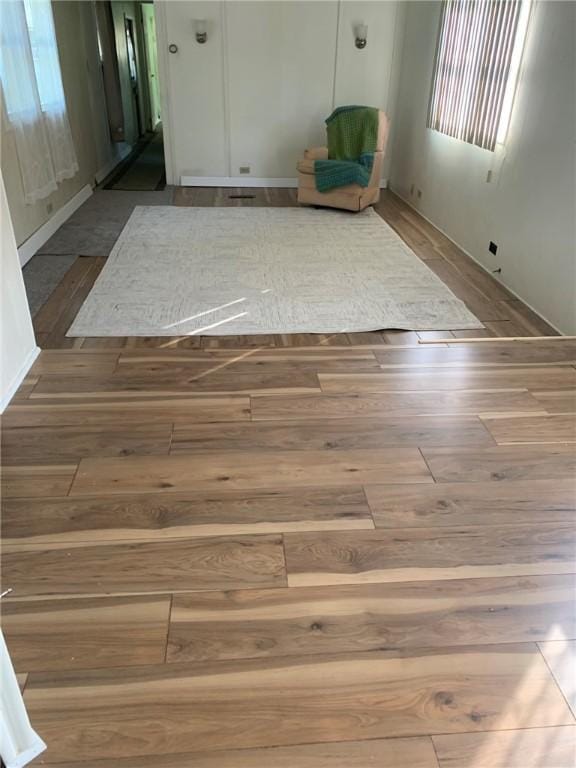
<point>479,263</point>
<point>236,181</point>
<point>245,181</point>
<point>18,379</point>
<point>123,149</point>
<point>42,235</point>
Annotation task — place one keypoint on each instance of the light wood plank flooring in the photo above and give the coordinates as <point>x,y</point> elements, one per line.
<point>370,562</point>
<point>296,551</point>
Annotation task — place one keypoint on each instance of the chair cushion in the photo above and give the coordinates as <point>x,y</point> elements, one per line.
<point>306,166</point>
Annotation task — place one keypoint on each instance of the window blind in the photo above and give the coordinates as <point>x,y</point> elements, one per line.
<point>475,51</point>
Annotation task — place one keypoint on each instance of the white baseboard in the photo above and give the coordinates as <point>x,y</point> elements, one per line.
<point>42,235</point>
<point>245,181</point>
<point>479,263</point>
<point>19,378</point>
<point>122,150</point>
<point>236,181</point>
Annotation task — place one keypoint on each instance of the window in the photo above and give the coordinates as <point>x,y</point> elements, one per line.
<point>478,57</point>
<point>45,54</point>
<point>33,96</point>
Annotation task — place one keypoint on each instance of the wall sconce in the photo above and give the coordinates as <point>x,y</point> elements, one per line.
<point>200,30</point>
<point>361,33</point>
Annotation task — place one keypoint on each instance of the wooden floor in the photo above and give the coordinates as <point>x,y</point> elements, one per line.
<point>300,557</point>
<point>304,553</point>
<point>501,313</point>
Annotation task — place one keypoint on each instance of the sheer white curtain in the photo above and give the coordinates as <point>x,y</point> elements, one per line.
<point>34,102</point>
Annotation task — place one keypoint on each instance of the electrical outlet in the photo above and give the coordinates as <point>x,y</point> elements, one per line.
<point>418,193</point>
<point>49,208</point>
<point>493,248</point>
<point>489,176</point>
<point>244,169</point>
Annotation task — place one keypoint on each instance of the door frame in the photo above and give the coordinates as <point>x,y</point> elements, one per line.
<point>165,101</point>
<point>152,79</point>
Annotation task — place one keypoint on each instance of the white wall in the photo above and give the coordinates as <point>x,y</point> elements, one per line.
<point>258,91</point>
<point>17,344</point>
<point>528,208</point>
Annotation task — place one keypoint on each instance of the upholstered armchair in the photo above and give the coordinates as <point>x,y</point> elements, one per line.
<point>352,197</point>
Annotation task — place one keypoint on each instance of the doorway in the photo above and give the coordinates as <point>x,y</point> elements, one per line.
<point>137,60</point>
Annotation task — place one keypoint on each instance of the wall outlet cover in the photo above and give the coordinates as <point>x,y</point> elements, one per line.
<point>244,169</point>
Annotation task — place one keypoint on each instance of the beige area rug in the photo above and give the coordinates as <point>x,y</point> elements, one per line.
<point>226,271</point>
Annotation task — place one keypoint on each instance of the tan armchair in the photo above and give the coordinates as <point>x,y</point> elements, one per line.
<point>352,197</point>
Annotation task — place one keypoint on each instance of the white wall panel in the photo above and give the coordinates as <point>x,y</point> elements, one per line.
<point>196,90</point>
<point>363,75</point>
<point>258,92</point>
<point>281,81</point>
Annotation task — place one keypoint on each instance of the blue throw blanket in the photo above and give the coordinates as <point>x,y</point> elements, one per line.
<point>352,139</point>
<point>330,174</point>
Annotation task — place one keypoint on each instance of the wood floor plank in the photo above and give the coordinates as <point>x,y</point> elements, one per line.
<point>237,470</point>
<point>484,503</point>
<point>560,656</point>
<point>180,368</point>
<point>322,620</point>
<point>472,272</point>
<point>238,342</point>
<point>167,383</point>
<point>366,337</point>
<point>557,402</point>
<point>139,411</point>
<point>245,361</point>
<point>163,566</point>
<point>438,335</point>
<point>447,380</point>
<point>400,337</point>
<point>102,343</point>
<point>529,748</point>
<point>503,462</point>
<point>69,308</point>
<point>506,353</point>
<point>160,516</point>
<point>328,406</point>
<point>25,389</point>
<point>422,554</point>
<point>532,323</point>
<point>533,429</point>
<point>46,318</point>
<point>416,752</point>
<point>47,635</point>
<point>67,445</point>
<point>260,703</point>
<point>341,434</point>
<point>476,301</point>
<point>74,362</point>
<point>45,480</point>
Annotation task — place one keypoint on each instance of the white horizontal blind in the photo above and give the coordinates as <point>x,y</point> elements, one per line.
<point>473,57</point>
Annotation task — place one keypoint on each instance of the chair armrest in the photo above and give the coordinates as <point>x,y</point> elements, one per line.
<point>316,153</point>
